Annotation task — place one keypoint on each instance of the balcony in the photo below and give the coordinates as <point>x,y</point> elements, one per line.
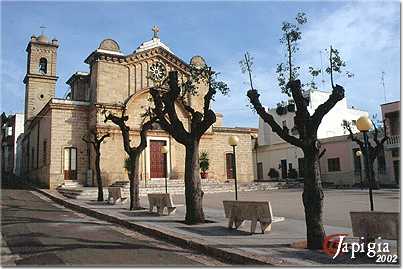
<point>393,141</point>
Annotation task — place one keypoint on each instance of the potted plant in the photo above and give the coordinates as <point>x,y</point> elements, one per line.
<point>204,164</point>
<point>273,174</point>
<point>281,109</point>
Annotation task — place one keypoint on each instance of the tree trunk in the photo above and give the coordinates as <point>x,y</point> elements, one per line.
<point>134,182</point>
<point>98,172</point>
<point>369,173</point>
<point>313,199</point>
<point>193,191</point>
<point>373,180</point>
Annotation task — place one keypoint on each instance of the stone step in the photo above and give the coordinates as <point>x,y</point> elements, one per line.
<point>92,193</point>
<point>71,184</point>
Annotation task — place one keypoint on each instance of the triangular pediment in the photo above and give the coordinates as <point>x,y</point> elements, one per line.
<point>169,59</point>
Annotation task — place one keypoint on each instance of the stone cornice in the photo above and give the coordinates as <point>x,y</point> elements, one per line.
<point>235,130</point>
<point>44,44</point>
<point>139,57</point>
<point>78,75</point>
<point>163,53</point>
<point>116,130</point>
<point>99,55</point>
<point>40,77</point>
<point>53,105</point>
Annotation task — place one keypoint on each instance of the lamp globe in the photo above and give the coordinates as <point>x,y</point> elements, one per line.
<point>363,124</point>
<point>233,140</point>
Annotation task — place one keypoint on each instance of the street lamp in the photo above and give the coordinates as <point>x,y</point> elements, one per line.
<point>164,150</point>
<point>363,125</point>
<point>233,141</point>
<point>358,153</point>
<point>255,136</point>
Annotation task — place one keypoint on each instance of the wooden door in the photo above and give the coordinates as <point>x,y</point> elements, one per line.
<point>230,163</point>
<point>157,159</point>
<point>70,164</point>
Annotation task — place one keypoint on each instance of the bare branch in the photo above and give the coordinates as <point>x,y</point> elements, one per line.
<point>321,154</point>
<point>354,138</point>
<point>254,99</point>
<point>331,66</point>
<point>301,113</point>
<point>385,134</point>
<point>94,139</point>
<point>101,139</point>
<point>248,68</point>
<point>121,122</point>
<point>175,129</point>
<point>336,96</point>
<point>143,134</point>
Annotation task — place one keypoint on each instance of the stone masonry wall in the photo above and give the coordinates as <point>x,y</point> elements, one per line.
<point>217,146</point>
<point>38,164</point>
<point>113,156</point>
<point>69,124</point>
<point>112,82</point>
<point>38,93</point>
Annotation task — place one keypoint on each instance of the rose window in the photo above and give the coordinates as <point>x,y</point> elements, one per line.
<point>158,71</point>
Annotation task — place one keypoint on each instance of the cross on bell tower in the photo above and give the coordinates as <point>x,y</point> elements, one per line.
<point>156,30</point>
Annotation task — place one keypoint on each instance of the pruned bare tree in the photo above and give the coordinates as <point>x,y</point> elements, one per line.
<point>133,152</point>
<point>306,124</point>
<point>95,140</point>
<point>165,98</point>
<point>375,149</point>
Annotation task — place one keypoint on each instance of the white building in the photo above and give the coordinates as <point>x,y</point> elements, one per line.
<point>274,152</point>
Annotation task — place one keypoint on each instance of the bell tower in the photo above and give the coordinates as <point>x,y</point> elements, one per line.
<point>40,80</point>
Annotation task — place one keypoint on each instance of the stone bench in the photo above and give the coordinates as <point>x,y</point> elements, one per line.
<point>115,194</point>
<point>161,201</point>
<point>238,211</point>
<point>376,224</point>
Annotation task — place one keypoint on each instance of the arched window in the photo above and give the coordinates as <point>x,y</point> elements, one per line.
<point>43,66</point>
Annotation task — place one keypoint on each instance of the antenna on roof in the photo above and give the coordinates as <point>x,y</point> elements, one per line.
<point>383,85</point>
<point>42,29</point>
<point>321,71</point>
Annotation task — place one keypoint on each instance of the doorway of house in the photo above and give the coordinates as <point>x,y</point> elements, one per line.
<point>229,158</point>
<point>283,169</point>
<point>301,167</point>
<point>260,171</point>
<point>158,160</point>
<point>70,163</point>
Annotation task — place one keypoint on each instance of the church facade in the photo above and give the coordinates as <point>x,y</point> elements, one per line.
<point>53,150</point>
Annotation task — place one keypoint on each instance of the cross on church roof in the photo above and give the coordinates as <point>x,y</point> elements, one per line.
<point>156,30</point>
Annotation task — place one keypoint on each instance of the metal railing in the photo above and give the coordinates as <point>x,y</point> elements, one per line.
<point>393,140</point>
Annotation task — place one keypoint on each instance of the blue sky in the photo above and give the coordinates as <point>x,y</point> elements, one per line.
<point>366,33</point>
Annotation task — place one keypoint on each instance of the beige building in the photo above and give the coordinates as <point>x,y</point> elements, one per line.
<point>52,147</point>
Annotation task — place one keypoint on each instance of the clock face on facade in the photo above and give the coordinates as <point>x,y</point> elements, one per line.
<point>157,71</point>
